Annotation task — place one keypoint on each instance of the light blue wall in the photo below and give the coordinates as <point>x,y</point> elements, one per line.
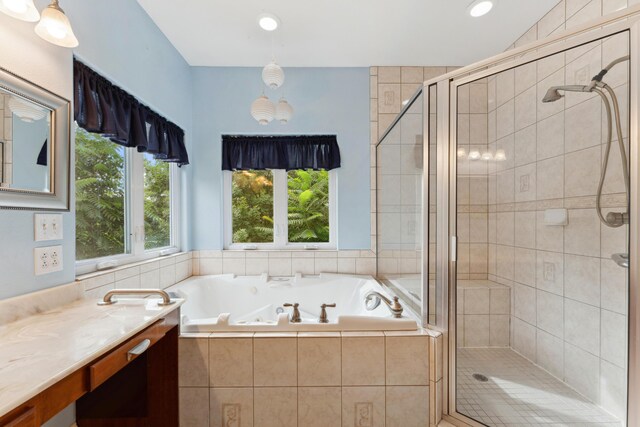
<point>326,101</point>
<point>119,40</point>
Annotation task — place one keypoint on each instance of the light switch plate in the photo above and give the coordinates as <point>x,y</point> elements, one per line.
<point>47,259</point>
<point>47,227</point>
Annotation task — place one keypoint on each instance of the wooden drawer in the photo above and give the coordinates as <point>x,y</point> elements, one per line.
<point>25,418</point>
<point>118,358</point>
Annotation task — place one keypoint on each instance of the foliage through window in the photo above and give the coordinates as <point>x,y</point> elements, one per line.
<point>121,196</point>
<point>157,203</point>
<point>100,196</point>
<point>252,207</point>
<point>276,208</point>
<point>308,206</point>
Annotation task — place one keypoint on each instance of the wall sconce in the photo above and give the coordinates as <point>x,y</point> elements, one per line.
<point>23,10</point>
<point>54,26</point>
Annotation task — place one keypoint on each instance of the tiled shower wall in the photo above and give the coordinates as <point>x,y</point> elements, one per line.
<point>569,298</point>
<point>6,123</point>
<point>568,14</point>
<point>390,86</point>
<point>472,189</point>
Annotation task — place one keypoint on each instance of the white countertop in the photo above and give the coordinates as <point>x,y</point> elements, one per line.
<point>40,350</point>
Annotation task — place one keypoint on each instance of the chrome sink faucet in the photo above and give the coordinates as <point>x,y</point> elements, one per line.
<point>295,314</point>
<point>394,306</point>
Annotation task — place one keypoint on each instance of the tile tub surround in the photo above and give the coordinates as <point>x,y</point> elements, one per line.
<point>483,314</point>
<point>311,379</point>
<point>283,263</point>
<point>568,310</point>
<point>156,273</point>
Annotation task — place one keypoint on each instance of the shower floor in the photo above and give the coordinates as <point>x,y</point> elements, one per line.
<point>520,393</point>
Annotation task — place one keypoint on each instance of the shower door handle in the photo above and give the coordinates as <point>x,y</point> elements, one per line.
<point>454,248</point>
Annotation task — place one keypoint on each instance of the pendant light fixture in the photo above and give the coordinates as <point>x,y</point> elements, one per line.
<point>263,110</point>
<point>23,10</point>
<point>284,111</point>
<point>54,26</point>
<point>272,75</point>
<point>25,111</point>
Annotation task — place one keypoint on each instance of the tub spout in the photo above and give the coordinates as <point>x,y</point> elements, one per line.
<point>394,306</point>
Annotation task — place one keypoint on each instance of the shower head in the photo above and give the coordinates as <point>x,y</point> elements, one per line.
<point>553,94</point>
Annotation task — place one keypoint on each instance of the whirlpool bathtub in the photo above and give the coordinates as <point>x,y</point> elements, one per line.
<point>227,303</point>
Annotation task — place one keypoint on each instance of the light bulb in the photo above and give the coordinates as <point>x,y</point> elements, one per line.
<point>461,152</point>
<point>500,156</point>
<point>480,8</point>
<point>55,27</point>
<point>474,155</point>
<point>16,6</point>
<point>487,156</point>
<point>268,22</point>
<point>24,10</point>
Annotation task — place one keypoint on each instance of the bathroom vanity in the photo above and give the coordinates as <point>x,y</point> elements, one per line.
<point>118,363</point>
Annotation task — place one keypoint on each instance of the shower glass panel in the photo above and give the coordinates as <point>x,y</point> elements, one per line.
<point>542,228</point>
<point>399,204</point>
<point>433,298</point>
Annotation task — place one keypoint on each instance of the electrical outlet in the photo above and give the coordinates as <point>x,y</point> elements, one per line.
<point>48,227</point>
<point>48,259</point>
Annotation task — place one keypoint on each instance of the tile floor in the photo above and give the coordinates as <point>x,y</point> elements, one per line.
<point>520,393</point>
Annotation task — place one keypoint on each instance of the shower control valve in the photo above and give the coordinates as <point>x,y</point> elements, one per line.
<point>323,312</point>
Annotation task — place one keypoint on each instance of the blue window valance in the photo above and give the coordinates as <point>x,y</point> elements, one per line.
<point>104,108</point>
<point>289,152</point>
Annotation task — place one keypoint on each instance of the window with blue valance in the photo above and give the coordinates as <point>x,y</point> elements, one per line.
<point>104,108</point>
<point>288,152</point>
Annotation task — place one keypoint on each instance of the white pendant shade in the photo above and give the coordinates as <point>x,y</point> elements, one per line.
<point>272,75</point>
<point>55,28</point>
<point>263,110</point>
<point>25,111</point>
<point>284,111</point>
<point>24,10</point>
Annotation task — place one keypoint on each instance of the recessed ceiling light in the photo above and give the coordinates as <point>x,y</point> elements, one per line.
<point>268,22</point>
<point>480,7</point>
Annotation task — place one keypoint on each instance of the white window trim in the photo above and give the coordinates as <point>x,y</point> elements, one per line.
<point>280,209</point>
<point>134,223</point>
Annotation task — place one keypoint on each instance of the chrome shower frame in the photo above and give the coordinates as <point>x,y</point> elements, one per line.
<point>627,20</point>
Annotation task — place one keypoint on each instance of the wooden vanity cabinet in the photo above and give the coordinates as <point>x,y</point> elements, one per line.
<point>118,388</point>
<point>135,390</point>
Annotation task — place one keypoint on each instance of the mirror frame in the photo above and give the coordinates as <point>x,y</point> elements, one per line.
<point>58,198</point>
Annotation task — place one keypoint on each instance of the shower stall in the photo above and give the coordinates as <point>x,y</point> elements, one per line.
<point>507,200</point>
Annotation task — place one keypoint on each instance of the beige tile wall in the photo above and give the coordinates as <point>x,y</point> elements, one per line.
<point>6,136</point>
<point>152,274</point>
<point>310,379</point>
<point>569,298</point>
<point>283,263</point>
<point>389,87</point>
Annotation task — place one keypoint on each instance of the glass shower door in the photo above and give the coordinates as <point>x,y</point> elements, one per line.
<point>542,240</point>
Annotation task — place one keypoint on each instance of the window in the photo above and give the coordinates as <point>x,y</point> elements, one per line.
<point>278,209</point>
<point>100,196</point>
<point>125,203</point>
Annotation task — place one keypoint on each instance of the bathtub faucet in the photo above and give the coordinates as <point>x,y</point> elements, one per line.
<point>295,315</point>
<point>394,306</point>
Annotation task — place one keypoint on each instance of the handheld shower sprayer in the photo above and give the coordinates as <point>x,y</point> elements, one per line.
<point>612,219</point>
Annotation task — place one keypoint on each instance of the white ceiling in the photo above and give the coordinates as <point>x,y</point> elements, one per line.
<point>341,33</point>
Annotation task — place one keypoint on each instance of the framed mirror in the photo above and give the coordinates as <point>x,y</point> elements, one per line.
<point>34,146</point>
